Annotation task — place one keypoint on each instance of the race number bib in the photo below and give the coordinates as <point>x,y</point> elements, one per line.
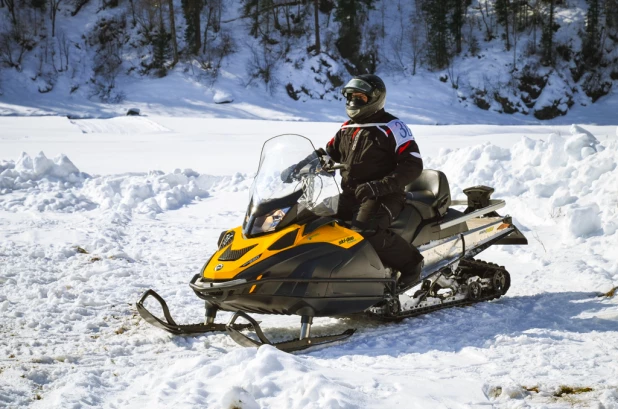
<point>401,132</point>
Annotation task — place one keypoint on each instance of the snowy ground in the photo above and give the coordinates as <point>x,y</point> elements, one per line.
<point>83,235</point>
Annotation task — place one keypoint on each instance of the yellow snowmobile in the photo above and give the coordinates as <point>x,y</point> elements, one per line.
<point>292,256</point>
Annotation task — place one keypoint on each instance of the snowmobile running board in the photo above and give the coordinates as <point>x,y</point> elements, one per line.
<point>170,325</point>
<point>304,341</point>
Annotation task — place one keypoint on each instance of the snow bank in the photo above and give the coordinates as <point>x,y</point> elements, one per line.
<point>247,375</point>
<point>570,179</point>
<point>148,193</point>
<point>26,171</point>
<point>57,185</point>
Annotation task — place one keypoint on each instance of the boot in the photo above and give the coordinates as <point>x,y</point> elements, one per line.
<point>410,275</point>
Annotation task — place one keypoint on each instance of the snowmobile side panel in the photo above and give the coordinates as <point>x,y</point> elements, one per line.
<point>431,231</point>
<point>483,232</point>
<point>311,279</point>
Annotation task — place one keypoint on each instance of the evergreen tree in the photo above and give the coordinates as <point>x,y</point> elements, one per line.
<point>547,38</point>
<point>38,4</point>
<point>192,10</point>
<point>611,18</point>
<point>438,33</point>
<point>161,51</point>
<point>457,20</point>
<point>502,13</point>
<point>592,39</point>
<point>349,14</point>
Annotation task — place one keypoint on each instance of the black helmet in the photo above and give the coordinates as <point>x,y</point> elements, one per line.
<point>375,90</point>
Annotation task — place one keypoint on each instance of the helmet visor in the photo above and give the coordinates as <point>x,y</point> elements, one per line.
<point>355,98</point>
<point>356,84</point>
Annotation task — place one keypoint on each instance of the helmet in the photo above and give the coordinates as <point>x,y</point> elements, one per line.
<point>375,90</point>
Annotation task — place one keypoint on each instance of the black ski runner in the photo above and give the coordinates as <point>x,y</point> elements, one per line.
<point>170,325</point>
<point>297,344</point>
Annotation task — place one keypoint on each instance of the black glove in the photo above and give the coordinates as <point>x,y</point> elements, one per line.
<point>321,152</point>
<point>373,189</point>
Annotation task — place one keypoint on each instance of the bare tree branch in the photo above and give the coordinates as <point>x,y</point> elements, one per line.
<point>264,10</point>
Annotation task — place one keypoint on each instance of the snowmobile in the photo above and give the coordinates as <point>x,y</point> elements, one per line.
<point>293,256</point>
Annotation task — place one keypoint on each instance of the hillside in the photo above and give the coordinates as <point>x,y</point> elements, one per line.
<point>105,57</point>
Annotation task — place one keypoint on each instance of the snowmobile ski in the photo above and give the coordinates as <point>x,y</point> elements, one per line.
<point>303,342</point>
<point>170,325</point>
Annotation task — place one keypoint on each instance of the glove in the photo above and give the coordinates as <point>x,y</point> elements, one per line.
<point>289,174</point>
<point>321,152</point>
<point>325,161</point>
<point>373,189</point>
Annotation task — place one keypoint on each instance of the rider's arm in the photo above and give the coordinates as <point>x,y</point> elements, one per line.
<point>332,147</point>
<point>407,155</point>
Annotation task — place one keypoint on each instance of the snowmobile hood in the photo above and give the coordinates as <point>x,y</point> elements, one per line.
<point>237,252</point>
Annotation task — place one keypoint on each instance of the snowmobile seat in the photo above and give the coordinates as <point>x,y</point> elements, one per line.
<point>429,194</point>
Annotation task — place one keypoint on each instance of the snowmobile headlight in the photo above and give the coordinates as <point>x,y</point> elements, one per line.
<point>269,221</point>
<point>225,238</point>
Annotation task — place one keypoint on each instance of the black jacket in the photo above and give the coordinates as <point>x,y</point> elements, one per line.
<point>380,148</point>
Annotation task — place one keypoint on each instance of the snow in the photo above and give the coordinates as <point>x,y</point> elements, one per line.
<point>138,203</point>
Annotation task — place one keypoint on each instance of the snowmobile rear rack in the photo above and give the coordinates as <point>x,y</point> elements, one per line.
<point>304,341</point>
<point>493,206</point>
<point>170,325</point>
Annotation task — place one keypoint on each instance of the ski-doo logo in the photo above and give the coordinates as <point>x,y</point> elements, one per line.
<point>347,240</point>
<point>218,267</point>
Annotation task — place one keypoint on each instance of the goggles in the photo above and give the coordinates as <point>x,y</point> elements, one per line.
<point>356,96</point>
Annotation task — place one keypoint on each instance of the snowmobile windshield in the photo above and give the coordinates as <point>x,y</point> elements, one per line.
<point>290,180</point>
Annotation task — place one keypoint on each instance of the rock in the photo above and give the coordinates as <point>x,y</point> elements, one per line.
<point>222,97</point>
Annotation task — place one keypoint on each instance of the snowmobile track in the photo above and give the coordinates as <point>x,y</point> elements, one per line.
<point>483,269</point>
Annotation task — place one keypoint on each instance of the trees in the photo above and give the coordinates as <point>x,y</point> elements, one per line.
<point>192,10</point>
<point>316,13</point>
<point>547,37</point>
<point>503,8</point>
<point>351,15</point>
<point>438,33</point>
<point>458,9</point>
<point>53,10</point>
<point>173,32</point>
<point>591,45</point>
<point>10,4</point>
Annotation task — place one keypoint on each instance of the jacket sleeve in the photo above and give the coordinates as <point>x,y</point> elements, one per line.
<point>407,155</point>
<point>332,147</point>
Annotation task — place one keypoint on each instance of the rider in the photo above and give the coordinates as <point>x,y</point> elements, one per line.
<point>382,157</point>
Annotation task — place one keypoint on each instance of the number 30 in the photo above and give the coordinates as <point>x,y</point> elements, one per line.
<point>404,131</point>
